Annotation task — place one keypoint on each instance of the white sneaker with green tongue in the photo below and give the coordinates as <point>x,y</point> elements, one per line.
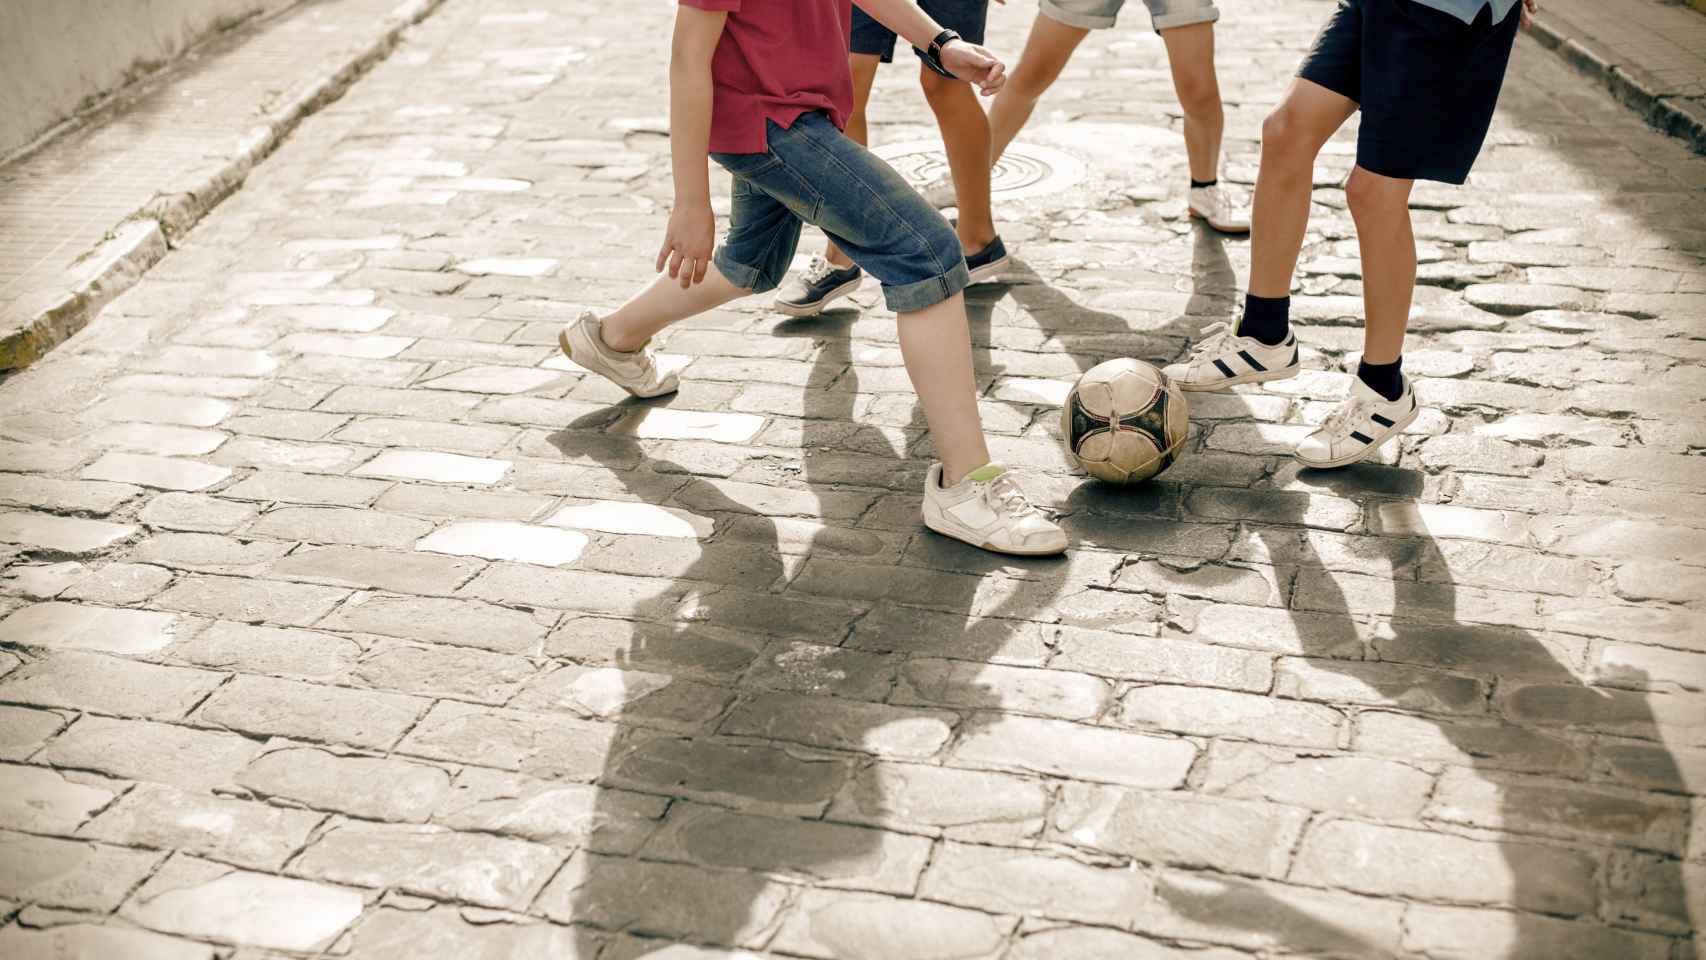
<point>988,510</point>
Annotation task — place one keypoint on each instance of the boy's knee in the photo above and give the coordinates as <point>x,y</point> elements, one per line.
<point>1198,95</point>
<point>1370,194</point>
<point>935,85</point>
<point>1282,135</point>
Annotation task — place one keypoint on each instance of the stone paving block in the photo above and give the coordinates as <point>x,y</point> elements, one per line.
<point>1480,743</point>
<point>306,488</point>
<point>1456,933</point>
<point>451,437</point>
<point>867,927</point>
<point>268,706</point>
<point>442,620</point>
<point>164,473</point>
<point>1378,684</point>
<point>965,805</point>
<point>891,628</point>
<point>616,516</point>
<point>708,906</point>
<point>262,453</point>
<point>75,626</point>
<point>824,670</point>
<point>369,787</point>
<point>1625,712</point>
<point>754,777</point>
<point>635,697</point>
<point>118,584</point>
<point>367,527</point>
<point>251,600</point>
<point>42,800</point>
<point>1273,916</point>
<point>188,411</point>
<point>562,815</point>
<point>431,861</point>
<point>1179,829</point>
<point>581,591</point>
<point>76,875</point>
<point>1058,748</point>
<point>386,401</point>
<point>1161,659</point>
<point>429,501</point>
<point>1100,943</point>
<point>1392,861</point>
<point>434,467</point>
<point>1359,786</point>
<point>62,536</point>
<point>430,670</point>
<point>540,744</point>
<point>884,730</point>
<point>1649,668</point>
<point>1204,712</point>
<point>238,832</point>
<point>1032,883</point>
<point>39,457</point>
<point>961,684</point>
<point>823,854</point>
<point>191,511</point>
<point>208,901</point>
<point>506,540</point>
<point>442,932</point>
<point>209,553</point>
<point>23,731</point>
<point>1652,892</point>
<point>81,941</point>
<point>376,569</point>
<point>80,496</point>
<point>1560,808</point>
<point>108,685</point>
<point>1274,630</point>
<point>283,425</point>
<point>301,654</point>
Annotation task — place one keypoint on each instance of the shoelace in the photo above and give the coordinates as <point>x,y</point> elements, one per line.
<point>1004,496</point>
<point>1216,335</point>
<point>818,269</point>
<point>1342,418</point>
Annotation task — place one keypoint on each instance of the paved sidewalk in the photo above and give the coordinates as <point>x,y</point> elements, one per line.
<point>342,617</point>
<point>1650,53</point>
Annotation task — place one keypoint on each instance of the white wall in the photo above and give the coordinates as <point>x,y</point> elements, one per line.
<point>57,54</point>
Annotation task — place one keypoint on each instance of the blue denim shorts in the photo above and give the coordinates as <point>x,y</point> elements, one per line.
<point>813,174</point>
<point>965,17</point>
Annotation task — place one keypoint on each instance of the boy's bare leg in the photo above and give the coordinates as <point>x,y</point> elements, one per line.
<point>858,128</point>
<point>1190,54</point>
<point>664,302</point>
<point>1292,136</point>
<point>965,134</point>
<point>935,344</point>
<point>1047,50</point>
<point>1381,208</point>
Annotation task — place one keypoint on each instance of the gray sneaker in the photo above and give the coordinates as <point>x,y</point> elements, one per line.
<point>822,284</point>
<point>637,372</point>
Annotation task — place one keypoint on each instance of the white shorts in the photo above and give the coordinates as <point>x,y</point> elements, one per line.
<point>1100,14</point>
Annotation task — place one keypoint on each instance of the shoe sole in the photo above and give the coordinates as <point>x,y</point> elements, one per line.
<point>985,545</point>
<point>1379,439</point>
<point>564,343</point>
<point>818,306</point>
<point>991,270</point>
<point>1237,231</point>
<point>1254,376</point>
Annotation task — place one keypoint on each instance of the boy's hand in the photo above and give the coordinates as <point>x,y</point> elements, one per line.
<point>1529,9</point>
<point>975,65</point>
<point>688,242</point>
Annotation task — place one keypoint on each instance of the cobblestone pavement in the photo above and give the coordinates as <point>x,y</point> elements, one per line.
<point>343,617</point>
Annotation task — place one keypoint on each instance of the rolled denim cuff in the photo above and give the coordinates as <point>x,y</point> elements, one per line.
<point>1086,21</point>
<point>1207,13</point>
<point>922,294</point>
<point>741,275</point>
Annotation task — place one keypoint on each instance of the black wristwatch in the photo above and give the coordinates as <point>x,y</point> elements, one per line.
<point>933,56</point>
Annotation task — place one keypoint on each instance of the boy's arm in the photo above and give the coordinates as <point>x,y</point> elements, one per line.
<point>967,61</point>
<point>692,228</point>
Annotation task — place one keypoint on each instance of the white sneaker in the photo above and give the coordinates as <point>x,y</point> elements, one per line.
<point>988,510</point>
<point>940,192</point>
<point>1222,210</point>
<point>1361,424</point>
<point>637,372</point>
<point>1223,359</point>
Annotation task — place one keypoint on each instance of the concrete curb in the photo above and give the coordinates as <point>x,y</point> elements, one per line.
<point>139,241</point>
<point>1633,86</point>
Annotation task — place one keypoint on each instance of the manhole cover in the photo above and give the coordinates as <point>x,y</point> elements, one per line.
<point>1025,170</point>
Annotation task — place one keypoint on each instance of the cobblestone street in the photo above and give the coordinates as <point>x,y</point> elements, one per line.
<point>342,616</point>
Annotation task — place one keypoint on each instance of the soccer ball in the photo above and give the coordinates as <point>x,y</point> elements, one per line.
<point>1124,421</point>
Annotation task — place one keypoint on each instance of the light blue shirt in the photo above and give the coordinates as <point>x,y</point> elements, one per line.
<point>1467,10</point>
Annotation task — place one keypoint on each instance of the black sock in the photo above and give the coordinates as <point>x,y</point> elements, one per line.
<point>1199,184</point>
<point>1386,379</point>
<point>1268,319</point>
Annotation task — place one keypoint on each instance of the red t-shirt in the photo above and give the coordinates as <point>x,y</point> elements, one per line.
<point>776,60</point>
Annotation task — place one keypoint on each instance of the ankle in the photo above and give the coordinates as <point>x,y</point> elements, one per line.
<point>1386,379</point>
<point>971,241</point>
<point>1268,319</point>
<point>1204,184</point>
<point>613,339</point>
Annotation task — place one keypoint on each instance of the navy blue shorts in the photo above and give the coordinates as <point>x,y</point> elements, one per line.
<point>964,17</point>
<point>812,173</point>
<point>1426,81</point>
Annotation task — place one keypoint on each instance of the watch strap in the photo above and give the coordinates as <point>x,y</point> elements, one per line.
<point>932,57</point>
